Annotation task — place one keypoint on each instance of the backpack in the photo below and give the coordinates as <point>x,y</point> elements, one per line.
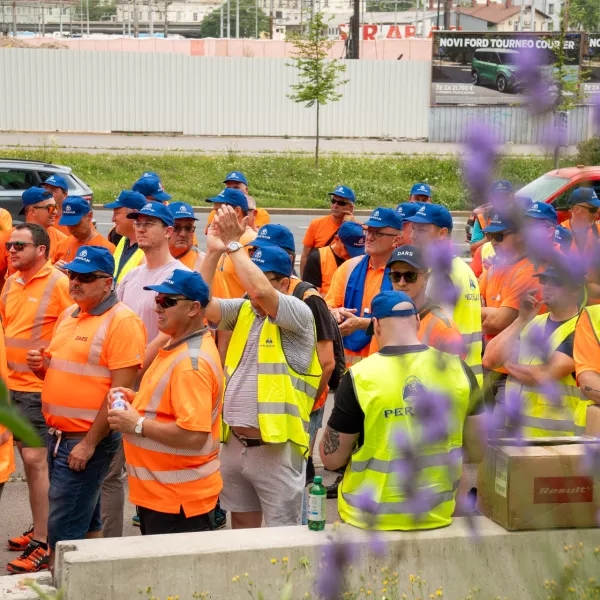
<point>302,291</point>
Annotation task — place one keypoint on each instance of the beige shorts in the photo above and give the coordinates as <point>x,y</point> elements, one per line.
<point>267,478</point>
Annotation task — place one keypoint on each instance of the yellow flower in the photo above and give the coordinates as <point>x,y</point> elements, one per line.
<point>284,559</point>
<point>273,561</point>
<point>395,574</point>
<point>383,590</point>
<point>369,592</point>
<point>571,590</point>
<point>432,596</point>
<point>385,582</point>
<point>439,593</point>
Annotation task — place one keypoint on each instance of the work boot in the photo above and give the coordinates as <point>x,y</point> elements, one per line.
<point>35,558</point>
<point>310,471</point>
<point>18,544</point>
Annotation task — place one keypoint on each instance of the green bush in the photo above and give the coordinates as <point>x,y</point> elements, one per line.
<point>588,152</point>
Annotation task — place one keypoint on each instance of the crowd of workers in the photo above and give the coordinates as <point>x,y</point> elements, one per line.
<point>225,358</point>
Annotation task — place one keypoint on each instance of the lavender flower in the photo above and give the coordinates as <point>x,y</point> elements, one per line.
<point>595,101</point>
<point>514,412</point>
<point>433,412</point>
<point>539,94</point>
<point>551,391</point>
<point>479,159</point>
<point>538,243</point>
<point>466,506</point>
<point>337,556</point>
<point>591,459</point>
<point>537,341</point>
<point>555,136</point>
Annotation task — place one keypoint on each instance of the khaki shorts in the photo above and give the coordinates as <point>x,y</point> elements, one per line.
<point>267,478</point>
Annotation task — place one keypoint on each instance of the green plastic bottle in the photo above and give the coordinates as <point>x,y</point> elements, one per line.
<point>317,505</point>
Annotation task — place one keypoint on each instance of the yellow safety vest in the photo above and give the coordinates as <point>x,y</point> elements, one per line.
<point>467,314</point>
<point>386,387</point>
<point>135,260</point>
<point>285,397</point>
<point>541,417</point>
<point>487,251</point>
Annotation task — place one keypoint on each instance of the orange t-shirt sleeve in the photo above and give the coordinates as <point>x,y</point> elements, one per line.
<point>522,284</point>
<point>476,264</point>
<point>126,343</point>
<point>211,216</point>
<point>61,294</point>
<point>586,349</point>
<point>309,236</point>
<point>219,287</point>
<point>6,223</point>
<point>192,393</point>
<point>337,289</point>
<point>262,218</point>
<point>447,339</point>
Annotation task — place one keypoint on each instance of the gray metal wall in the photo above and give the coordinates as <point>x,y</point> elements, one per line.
<point>150,92</point>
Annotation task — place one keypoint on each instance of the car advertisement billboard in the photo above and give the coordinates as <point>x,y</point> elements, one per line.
<point>482,68</point>
<point>591,65</point>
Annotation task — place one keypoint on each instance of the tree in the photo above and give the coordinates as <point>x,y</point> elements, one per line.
<point>390,5</point>
<point>211,24</point>
<point>319,77</point>
<point>99,10</point>
<point>584,15</point>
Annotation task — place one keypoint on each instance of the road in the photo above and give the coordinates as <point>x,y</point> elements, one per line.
<point>157,144</point>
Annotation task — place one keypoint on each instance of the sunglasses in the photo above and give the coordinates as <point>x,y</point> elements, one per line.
<point>409,276</point>
<point>498,236</point>
<point>186,228</point>
<point>591,209</point>
<point>339,202</point>
<point>546,279</point>
<point>86,277</point>
<point>375,233</point>
<point>167,301</point>
<point>18,246</point>
<point>144,224</point>
<point>51,208</point>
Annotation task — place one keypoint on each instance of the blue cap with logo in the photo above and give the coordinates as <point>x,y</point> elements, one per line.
<point>384,217</point>
<point>151,186</point>
<point>73,210</point>
<point>433,214</point>
<point>232,197</point>
<point>389,304</point>
<point>343,191</point>
<point>274,235</point>
<point>34,195</point>
<point>584,195</point>
<point>408,209</point>
<point>153,174</point>
<point>90,259</point>
<point>499,223</point>
<point>541,210</point>
<point>352,235</point>
<point>420,189</point>
<point>236,176</point>
<point>501,186</point>
<point>128,199</point>
<point>563,236</point>
<point>575,275</point>
<point>181,210</point>
<point>58,181</point>
<point>183,283</point>
<point>273,259</point>
<point>154,209</point>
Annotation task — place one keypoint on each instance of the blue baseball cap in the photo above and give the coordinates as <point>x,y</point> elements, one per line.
<point>501,186</point>
<point>411,255</point>
<point>34,195</point>
<point>420,189</point>
<point>384,217</point>
<point>155,175</point>
<point>575,274</point>
<point>154,209</point>
<point>408,209</point>
<point>151,186</point>
<point>273,259</point>
<point>524,202</point>
<point>232,197</point>
<point>343,191</point>
<point>58,181</point>
<point>386,304</point>
<point>236,176</point>
<point>92,258</point>
<point>74,209</point>
<point>183,283</point>
<point>181,210</point>
<point>128,199</point>
<point>433,214</point>
<point>352,235</point>
<point>274,235</point>
<point>563,236</point>
<point>500,223</point>
<point>584,196</point>
<point>541,210</point>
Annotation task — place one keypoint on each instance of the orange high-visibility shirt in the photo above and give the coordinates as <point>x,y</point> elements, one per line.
<point>85,348</point>
<point>593,235</point>
<point>262,218</point>
<point>7,453</point>
<point>29,312</point>
<point>234,285</point>
<point>192,259</point>
<point>183,385</point>
<point>320,232</point>
<point>67,248</point>
<point>5,220</point>
<point>586,349</point>
<point>329,266</point>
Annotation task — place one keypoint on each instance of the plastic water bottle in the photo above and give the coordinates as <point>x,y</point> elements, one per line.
<point>118,402</point>
<point>317,505</point>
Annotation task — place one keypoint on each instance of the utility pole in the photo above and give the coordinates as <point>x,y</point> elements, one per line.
<point>151,17</point>
<point>87,8</point>
<point>166,29</point>
<point>423,29</point>
<point>14,18</point>
<point>256,19</point>
<point>355,31</point>
<point>129,11</point>
<point>222,9</point>
<point>136,19</point>
<point>81,17</point>
<point>271,16</point>
<point>228,19</point>
<point>237,19</point>
<point>522,16</point>
<point>60,16</point>
<point>446,15</point>
<point>565,13</point>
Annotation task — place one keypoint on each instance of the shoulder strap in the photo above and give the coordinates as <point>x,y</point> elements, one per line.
<point>302,288</point>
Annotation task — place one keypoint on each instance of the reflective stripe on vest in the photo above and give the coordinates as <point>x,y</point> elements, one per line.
<point>134,260</point>
<point>422,462</point>
<point>69,412</point>
<point>176,476</point>
<point>541,417</point>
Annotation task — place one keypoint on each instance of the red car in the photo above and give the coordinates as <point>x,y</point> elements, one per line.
<point>554,187</point>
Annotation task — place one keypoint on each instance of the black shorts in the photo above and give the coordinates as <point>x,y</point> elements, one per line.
<point>29,405</point>
<point>153,522</point>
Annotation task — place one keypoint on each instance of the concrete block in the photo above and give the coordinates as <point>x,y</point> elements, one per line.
<point>13,587</point>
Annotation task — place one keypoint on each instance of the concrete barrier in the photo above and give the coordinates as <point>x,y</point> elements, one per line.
<point>500,563</point>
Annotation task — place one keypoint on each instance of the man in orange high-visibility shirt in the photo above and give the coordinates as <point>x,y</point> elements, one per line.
<point>32,300</point>
<point>59,188</point>
<point>7,453</point>
<point>77,217</point>
<point>171,428</point>
<point>97,344</point>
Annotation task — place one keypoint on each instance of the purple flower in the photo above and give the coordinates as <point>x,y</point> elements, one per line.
<point>433,412</point>
<point>537,341</point>
<point>595,101</point>
<point>496,422</point>
<point>420,501</point>
<point>539,244</point>
<point>337,555</point>
<point>466,506</point>
<point>377,543</point>
<point>540,94</point>
<point>366,501</point>
<point>514,412</point>
<point>551,391</point>
<point>479,159</point>
<point>591,459</point>
<point>554,136</point>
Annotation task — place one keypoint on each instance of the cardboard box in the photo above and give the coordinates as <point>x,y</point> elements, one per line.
<point>538,485</point>
<point>592,421</point>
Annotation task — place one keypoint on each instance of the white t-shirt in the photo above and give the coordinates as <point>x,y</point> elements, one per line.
<point>131,291</point>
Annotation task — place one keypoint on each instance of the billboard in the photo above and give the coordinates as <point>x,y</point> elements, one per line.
<point>482,68</point>
<point>591,65</point>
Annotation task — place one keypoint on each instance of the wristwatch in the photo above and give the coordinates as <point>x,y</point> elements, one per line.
<point>139,426</point>
<point>234,247</point>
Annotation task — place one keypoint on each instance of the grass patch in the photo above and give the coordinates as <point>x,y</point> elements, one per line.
<point>288,180</point>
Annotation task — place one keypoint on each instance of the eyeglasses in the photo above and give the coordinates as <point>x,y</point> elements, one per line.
<point>591,209</point>
<point>167,301</point>
<point>339,202</point>
<point>51,208</point>
<point>546,279</point>
<point>18,246</point>
<point>277,278</point>
<point>409,276</point>
<point>144,224</point>
<point>498,236</point>
<point>186,228</point>
<point>86,277</point>
<point>379,234</point>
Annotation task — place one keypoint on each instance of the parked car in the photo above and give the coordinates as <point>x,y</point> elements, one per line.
<point>18,175</point>
<point>555,187</point>
<point>496,67</point>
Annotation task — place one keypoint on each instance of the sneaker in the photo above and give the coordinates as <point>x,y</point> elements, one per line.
<point>18,544</point>
<point>332,490</point>
<point>135,520</point>
<point>35,558</point>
